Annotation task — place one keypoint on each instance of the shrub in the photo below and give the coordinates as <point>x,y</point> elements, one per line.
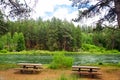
<point>92,48</point>
<point>61,61</point>
<point>3,51</point>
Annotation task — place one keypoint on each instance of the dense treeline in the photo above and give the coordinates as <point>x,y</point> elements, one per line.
<point>56,34</point>
<point>107,37</point>
<point>53,34</point>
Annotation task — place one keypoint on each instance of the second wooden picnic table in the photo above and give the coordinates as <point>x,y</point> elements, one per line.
<point>87,70</point>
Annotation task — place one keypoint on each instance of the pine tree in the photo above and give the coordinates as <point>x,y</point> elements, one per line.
<point>20,42</point>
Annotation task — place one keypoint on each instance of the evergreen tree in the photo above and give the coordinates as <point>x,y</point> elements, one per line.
<point>15,39</point>
<point>20,42</point>
<point>112,9</point>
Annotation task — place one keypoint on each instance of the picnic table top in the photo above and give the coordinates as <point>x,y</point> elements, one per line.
<point>28,64</point>
<point>86,67</point>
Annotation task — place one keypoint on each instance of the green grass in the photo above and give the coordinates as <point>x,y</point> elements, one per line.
<point>71,77</point>
<point>61,61</point>
<point>5,66</point>
<point>86,48</point>
<point>95,49</point>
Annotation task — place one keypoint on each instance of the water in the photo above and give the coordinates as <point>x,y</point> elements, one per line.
<point>96,59</point>
<point>46,59</point>
<point>20,58</point>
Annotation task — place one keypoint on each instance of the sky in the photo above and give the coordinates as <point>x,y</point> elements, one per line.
<point>62,9</point>
<point>47,9</point>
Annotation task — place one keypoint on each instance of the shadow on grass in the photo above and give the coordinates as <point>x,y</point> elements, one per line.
<point>27,72</point>
<point>87,75</point>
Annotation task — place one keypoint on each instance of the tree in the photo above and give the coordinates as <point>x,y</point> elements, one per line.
<point>16,8</point>
<point>20,42</point>
<point>15,40</point>
<point>112,6</point>
<point>3,25</point>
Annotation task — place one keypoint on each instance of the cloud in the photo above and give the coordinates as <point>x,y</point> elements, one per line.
<point>46,6</point>
<point>62,9</point>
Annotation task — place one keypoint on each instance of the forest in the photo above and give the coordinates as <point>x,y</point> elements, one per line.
<point>54,43</point>
<point>56,35</point>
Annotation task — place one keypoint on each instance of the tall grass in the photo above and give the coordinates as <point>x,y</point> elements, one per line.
<point>61,61</point>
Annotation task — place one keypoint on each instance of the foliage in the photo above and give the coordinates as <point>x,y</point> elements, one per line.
<point>108,38</point>
<point>61,61</point>
<point>15,8</point>
<point>10,42</point>
<point>87,38</point>
<point>78,38</point>
<point>1,45</point>
<point>112,6</point>
<point>58,35</point>
<point>3,25</point>
<point>95,49</point>
<point>92,48</point>
<point>15,40</point>
<point>48,35</point>
<point>20,43</point>
<point>3,51</point>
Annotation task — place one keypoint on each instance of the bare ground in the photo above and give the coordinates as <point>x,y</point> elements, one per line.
<point>107,73</point>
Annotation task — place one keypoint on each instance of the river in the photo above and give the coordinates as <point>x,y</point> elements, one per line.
<point>46,59</point>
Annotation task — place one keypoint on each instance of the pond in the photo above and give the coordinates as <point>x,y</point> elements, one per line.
<point>46,59</point>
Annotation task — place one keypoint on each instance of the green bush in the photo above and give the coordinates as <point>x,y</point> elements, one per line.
<point>61,61</point>
<point>92,48</point>
<point>3,51</point>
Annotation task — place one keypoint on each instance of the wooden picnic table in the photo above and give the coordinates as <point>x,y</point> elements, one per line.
<point>24,67</point>
<point>88,70</point>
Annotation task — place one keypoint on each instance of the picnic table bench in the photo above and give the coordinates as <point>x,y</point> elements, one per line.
<point>88,70</point>
<point>25,67</point>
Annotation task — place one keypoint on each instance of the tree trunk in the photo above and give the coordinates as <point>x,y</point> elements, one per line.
<point>117,9</point>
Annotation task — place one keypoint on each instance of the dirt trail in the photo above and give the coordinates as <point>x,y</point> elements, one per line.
<point>48,74</point>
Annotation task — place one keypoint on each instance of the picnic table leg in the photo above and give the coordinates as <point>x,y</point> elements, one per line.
<point>79,69</point>
<point>21,71</point>
<point>92,75</point>
<point>90,70</point>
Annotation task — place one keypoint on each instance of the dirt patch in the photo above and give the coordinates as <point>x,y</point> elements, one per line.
<point>108,73</point>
